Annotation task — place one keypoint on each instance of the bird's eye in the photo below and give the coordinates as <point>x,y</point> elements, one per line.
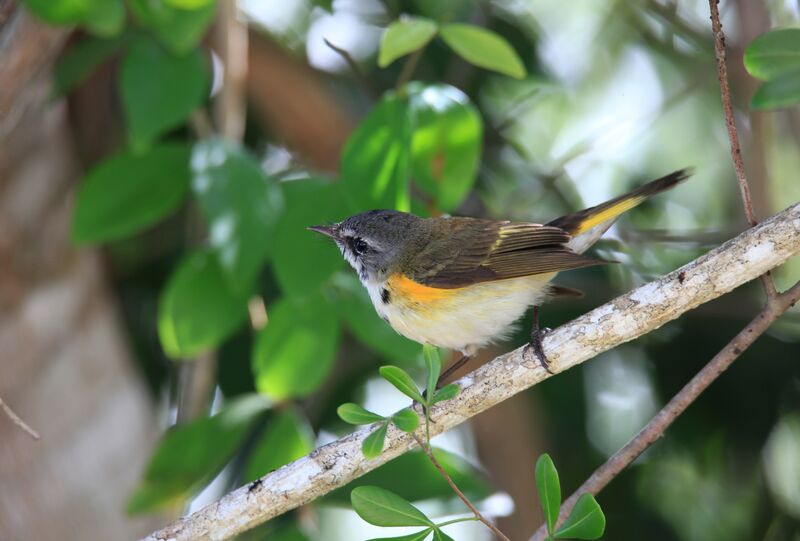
<point>359,246</point>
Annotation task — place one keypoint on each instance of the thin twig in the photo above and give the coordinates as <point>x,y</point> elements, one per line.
<point>408,68</point>
<point>232,42</point>
<point>733,136</point>
<point>354,68</point>
<point>18,421</point>
<point>664,418</point>
<point>428,451</point>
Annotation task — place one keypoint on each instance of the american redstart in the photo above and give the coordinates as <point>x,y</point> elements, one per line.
<point>460,283</point>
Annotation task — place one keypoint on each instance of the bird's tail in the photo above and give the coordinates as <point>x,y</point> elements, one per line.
<point>588,225</point>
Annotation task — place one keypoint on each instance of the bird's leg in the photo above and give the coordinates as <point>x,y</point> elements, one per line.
<point>535,343</point>
<point>450,369</point>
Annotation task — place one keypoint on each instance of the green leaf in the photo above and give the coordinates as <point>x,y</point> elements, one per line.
<point>375,160</point>
<point>373,444</point>
<point>198,310</point>
<point>782,91</point>
<point>294,353</point>
<point>160,90</point>
<point>105,17</point>
<point>356,415</point>
<point>189,4</point>
<point>82,59</point>
<point>413,477</point>
<point>127,193</point>
<point>419,536</point>
<point>439,535</point>
<point>191,454</point>
<point>241,205</point>
<point>402,381</point>
<point>405,36</point>
<point>180,30</point>
<point>446,393</point>
<point>59,12</point>
<point>585,522</point>
<point>483,48</point>
<point>773,54</point>
<point>356,307</point>
<point>304,260</point>
<point>433,366</point>
<point>287,438</point>
<point>549,490</point>
<point>446,143</point>
<point>380,507</point>
<point>406,420</point>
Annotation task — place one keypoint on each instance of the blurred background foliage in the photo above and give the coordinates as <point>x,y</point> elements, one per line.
<point>250,331</point>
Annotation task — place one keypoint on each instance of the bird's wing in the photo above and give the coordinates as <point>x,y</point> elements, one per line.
<point>466,251</point>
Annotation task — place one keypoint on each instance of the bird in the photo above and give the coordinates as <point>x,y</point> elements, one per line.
<point>461,283</point>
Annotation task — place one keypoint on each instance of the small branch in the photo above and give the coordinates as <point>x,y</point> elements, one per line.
<point>232,41</point>
<point>17,421</point>
<point>664,418</point>
<point>733,136</point>
<point>354,68</point>
<point>427,449</point>
<point>408,68</point>
<point>751,254</point>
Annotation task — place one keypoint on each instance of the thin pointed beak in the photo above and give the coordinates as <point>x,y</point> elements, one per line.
<point>328,231</point>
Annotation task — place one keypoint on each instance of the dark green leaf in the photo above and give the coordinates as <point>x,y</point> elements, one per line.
<point>180,30</point>
<point>406,420</point>
<point>366,325</point>
<point>105,17</point>
<point>303,260</point>
<point>483,48</point>
<point>241,206</point>
<point>375,160</point>
<point>373,444</point>
<point>549,489</point>
<point>446,393</point>
<point>413,477</point>
<point>356,415</point>
<point>128,192</point>
<point>439,535</point>
<point>287,437</point>
<point>433,367</point>
<point>402,381</point>
<point>160,90</point>
<point>190,455</point>
<point>59,11</point>
<point>585,522</point>
<point>82,59</point>
<point>294,353</point>
<point>773,53</point>
<point>380,507</point>
<point>446,143</point>
<point>198,310</point>
<point>419,536</point>
<point>782,91</point>
<point>404,36</point>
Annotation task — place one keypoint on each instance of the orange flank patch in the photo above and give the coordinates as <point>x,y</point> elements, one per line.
<point>406,289</point>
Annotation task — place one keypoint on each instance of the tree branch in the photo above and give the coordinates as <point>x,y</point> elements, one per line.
<point>18,421</point>
<point>644,309</point>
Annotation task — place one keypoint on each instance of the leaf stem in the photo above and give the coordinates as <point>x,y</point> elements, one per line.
<point>457,520</point>
<point>408,69</point>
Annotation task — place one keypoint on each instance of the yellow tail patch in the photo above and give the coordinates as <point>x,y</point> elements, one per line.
<point>609,213</point>
<point>405,289</point>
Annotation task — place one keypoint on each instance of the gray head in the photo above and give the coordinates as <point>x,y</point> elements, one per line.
<point>372,242</point>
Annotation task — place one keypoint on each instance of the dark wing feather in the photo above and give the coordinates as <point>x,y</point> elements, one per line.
<point>465,251</point>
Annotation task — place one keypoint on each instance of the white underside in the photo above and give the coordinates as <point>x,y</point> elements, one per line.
<point>486,311</point>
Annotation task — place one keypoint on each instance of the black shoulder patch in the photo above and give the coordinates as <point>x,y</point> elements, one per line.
<point>385,295</point>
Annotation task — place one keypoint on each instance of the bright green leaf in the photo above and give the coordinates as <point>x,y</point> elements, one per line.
<point>402,381</point>
<point>356,307</point>
<point>190,455</point>
<point>373,444</point>
<point>82,59</point>
<point>304,260</point>
<point>356,415</point>
<point>782,91</point>
<point>198,310</point>
<point>180,30</point>
<point>160,90</point>
<point>585,522</point>
<point>375,160</point>
<point>287,437</point>
<point>62,12</point>
<point>446,143</point>
<point>406,420</point>
<point>405,36</point>
<point>241,205</point>
<point>188,4</point>
<point>380,507</point>
<point>549,488</point>
<point>439,535</point>
<point>105,17</point>
<point>433,366</point>
<point>127,193</point>
<point>419,536</point>
<point>773,54</point>
<point>483,48</point>
<point>294,353</point>
<point>446,393</point>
